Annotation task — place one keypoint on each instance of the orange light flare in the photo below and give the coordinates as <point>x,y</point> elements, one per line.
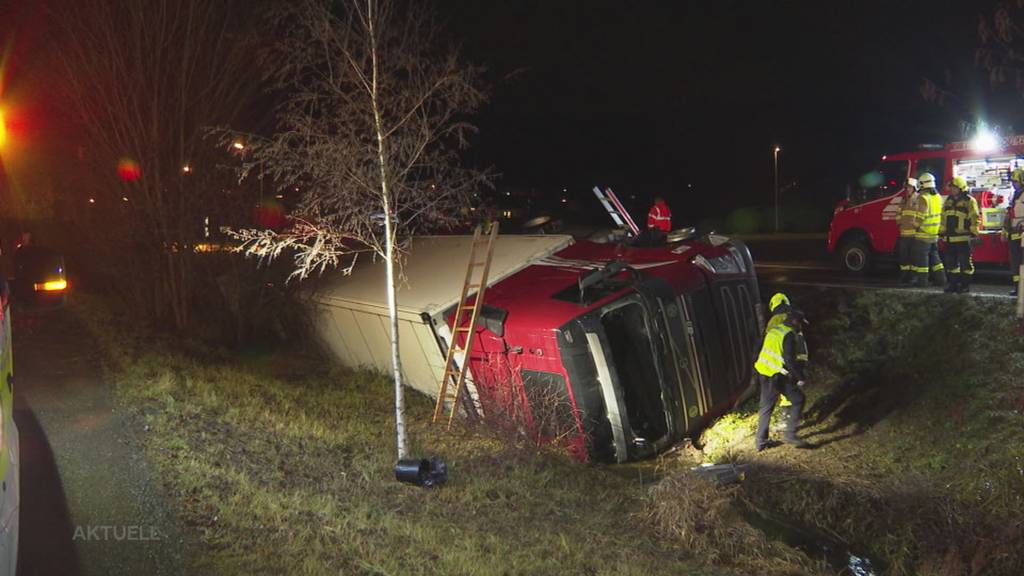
<point>3,129</point>
<point>128,169</point>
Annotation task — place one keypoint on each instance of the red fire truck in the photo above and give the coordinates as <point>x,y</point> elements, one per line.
<point>866,225</point>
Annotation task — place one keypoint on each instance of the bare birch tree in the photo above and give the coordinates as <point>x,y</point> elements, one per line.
<point>145,80</point>
<point>370,128</point>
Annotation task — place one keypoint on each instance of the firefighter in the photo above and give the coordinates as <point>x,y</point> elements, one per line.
<point>958,227</point>
<point>1013,225</point>
<point>779,372</point>
<point>779,307</point>
<point>659,217</point>
<point>908,228</point>
<point>928,232</point>
<point>924,216</point>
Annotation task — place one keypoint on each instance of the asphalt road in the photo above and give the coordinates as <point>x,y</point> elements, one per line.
<point>804,262</point>
<point>89,503</point>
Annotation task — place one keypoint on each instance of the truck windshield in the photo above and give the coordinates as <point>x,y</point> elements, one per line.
<point>632,351</point>
<point>885,180</point>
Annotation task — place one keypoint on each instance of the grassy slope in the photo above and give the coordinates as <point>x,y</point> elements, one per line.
<point>285,466</point>
<point>917,408</point>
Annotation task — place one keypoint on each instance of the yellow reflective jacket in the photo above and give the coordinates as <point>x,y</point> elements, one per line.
<point>959,218</point>
<point>771,360</point>
<point>910,216</point>
<point>932,217</point>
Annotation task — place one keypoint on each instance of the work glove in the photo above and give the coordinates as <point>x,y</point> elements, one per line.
<point>1003,235</point>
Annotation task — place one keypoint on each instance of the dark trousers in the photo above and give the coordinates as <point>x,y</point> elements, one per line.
<point>936,270</point>
<point>770,390</point>
<point>959,264</point>
<point>904,244</point>
<point>1015,253</point>
<point>919,261</point>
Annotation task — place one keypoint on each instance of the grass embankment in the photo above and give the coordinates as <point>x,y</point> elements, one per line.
<point>283,464</point>
<point>917,410</point>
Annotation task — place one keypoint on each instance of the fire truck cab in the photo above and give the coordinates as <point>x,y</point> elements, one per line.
<point>866,225</point>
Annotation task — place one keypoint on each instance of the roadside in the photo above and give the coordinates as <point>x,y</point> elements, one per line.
<point>282,464</point>
<point>916,413</point>
<point>91,504</point>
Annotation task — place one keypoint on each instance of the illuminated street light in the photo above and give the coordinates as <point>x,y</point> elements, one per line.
<point>776,171</point>
<point>186,168</point>
<point>985,140</point>
<point>92,200</point>
<point>238,145</point>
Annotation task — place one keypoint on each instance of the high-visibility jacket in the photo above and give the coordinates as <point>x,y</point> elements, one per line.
<point>772,359</point>
<point>910,217</point>
<point>1014,222</point>
<point>660,217</point>
<point>929,227</point>
<point>959,218</point>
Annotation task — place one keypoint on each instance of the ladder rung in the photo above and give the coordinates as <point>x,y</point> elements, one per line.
<point>477,263</point>
<point>464,329</point>
<point>472,285</point>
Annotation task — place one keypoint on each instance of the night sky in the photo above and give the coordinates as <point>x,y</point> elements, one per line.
<point>655,97</point>
<point>687,99</point>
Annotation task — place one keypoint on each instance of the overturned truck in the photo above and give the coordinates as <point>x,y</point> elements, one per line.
<point>621,351</point>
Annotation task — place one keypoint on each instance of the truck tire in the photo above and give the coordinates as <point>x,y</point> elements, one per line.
<point>855,256</point>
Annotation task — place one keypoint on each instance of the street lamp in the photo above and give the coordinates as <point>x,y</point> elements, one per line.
<point>775,155</point>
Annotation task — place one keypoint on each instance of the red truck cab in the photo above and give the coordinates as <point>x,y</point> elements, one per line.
<point>621,351</point>
<point>865,226</point>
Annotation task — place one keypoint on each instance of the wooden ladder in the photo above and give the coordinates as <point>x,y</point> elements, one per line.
<point>454,376</point>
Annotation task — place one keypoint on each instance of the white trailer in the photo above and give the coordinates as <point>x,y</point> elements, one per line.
<point>352,311</point>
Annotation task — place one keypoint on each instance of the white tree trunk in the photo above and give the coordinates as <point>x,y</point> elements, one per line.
<point>389,241</point>
<point>396,363</point>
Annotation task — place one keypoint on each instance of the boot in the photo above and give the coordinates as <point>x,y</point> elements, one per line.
<point>963,289</point>
<point>796,441</point>
<point>951,288</point>
<point>1013,293</point>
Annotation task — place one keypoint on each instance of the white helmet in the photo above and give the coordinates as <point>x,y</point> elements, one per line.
<point>927,181</point>
<point>912,182</point>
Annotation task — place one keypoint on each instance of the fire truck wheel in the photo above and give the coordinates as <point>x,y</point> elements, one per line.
<point>855,256</point>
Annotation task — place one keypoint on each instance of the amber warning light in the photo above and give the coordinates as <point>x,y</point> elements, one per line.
<point>51,286</point>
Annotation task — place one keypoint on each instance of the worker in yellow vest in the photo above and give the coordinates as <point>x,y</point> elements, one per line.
<point>909,221</point>
<point>959,226</point>
<point>779,372</point>
<point>779,307</point>
<point>928,233</point>
<point>927,211</point>
<point>1013,226</point>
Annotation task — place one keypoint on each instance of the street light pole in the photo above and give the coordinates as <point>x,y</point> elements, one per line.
<point>775,155</point>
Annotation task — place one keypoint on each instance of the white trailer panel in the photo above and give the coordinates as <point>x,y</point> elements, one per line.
<point>352,313</point>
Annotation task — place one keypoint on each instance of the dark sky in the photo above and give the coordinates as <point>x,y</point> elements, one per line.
<point>652,97</point>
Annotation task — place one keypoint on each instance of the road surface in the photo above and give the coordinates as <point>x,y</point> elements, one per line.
<point>89,504</point>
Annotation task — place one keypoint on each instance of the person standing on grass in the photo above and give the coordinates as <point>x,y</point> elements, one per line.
<point>1013,226</point>
<point>959,228</point>
<point>780,372</point>
<point>908,229</point>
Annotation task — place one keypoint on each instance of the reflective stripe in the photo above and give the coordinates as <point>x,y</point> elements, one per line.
<point>770,361</point>
<point>904,267</point>
<point>937,267</point>
<point>958,238</point>
<point>920,269</point>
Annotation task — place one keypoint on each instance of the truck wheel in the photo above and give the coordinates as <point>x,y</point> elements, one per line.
<point>855,256</point>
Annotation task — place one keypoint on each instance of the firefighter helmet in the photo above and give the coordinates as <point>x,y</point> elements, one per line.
<point>777,300</point>
<point>1017,175</point>
<point>926,180</point>
<point>959,182</point>
<point>912,182</point>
